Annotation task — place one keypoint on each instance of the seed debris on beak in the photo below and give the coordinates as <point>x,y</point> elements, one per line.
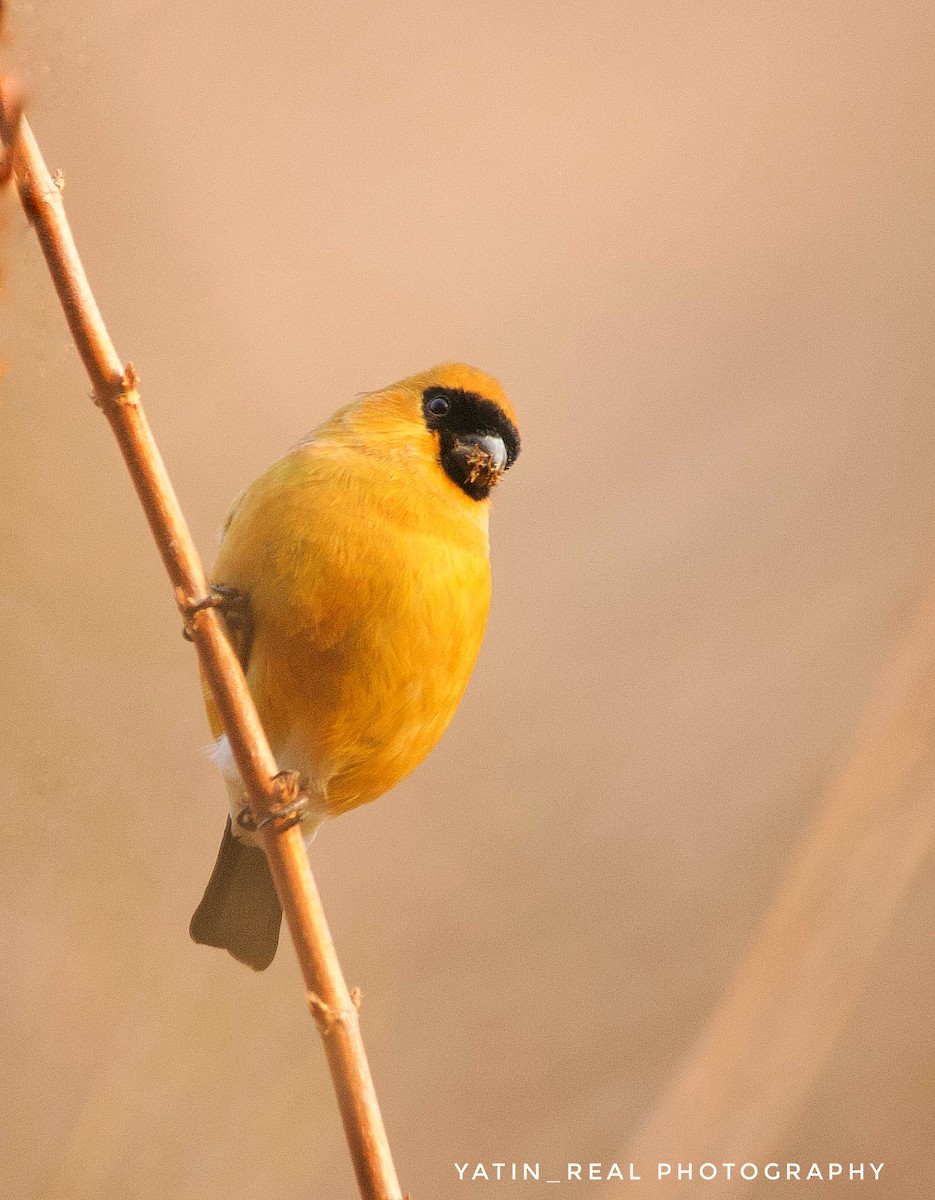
<point>482,459</point>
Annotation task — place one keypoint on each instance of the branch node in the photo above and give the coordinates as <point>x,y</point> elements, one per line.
<point>131,376</point>
<point>327,1017</point>
<point>121,391</point>
<point>357,997</point>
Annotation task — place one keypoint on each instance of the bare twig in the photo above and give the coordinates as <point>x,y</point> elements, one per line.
<point>115,391</point>
<point>754,1066</point>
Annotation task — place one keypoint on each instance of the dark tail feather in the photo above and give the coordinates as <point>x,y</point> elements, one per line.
<point>240,910</point>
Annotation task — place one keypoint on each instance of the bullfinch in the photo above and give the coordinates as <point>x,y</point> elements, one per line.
<point>358,580</point>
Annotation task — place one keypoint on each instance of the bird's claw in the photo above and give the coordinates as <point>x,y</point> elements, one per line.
<point>289,811</point>
<point>233,604</point>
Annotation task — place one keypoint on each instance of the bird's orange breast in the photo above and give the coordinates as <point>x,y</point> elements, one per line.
<point>369,585</point>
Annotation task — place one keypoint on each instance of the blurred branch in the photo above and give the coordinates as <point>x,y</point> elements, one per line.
<point>115,391</point>
<point>752,1070</point>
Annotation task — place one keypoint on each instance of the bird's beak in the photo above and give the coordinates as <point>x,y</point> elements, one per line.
<point>481,458</point>
<point>493,446</point>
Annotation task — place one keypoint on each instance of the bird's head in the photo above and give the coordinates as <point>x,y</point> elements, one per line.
<point>472,423</point>
<point>457,414</point>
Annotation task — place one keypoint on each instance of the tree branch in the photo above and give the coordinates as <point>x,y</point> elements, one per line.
<point>115,392</point>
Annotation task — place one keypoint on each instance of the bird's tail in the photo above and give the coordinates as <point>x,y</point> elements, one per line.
<point>240,910</point>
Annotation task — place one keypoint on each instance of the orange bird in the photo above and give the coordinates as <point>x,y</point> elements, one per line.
<point>359,563</point>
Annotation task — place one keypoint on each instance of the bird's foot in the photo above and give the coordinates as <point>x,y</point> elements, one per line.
<point>289,810</point>
<point>234,607</point>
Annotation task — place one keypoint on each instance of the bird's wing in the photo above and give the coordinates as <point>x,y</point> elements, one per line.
<point>282,560</point>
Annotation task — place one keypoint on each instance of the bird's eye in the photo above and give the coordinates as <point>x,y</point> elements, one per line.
<point>438,406</point>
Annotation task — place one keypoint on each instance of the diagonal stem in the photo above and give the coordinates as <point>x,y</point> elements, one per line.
<point>115,392</point>
<point>746,1080</point>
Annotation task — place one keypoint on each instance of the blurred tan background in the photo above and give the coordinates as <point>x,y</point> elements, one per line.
<point>694,241</point>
